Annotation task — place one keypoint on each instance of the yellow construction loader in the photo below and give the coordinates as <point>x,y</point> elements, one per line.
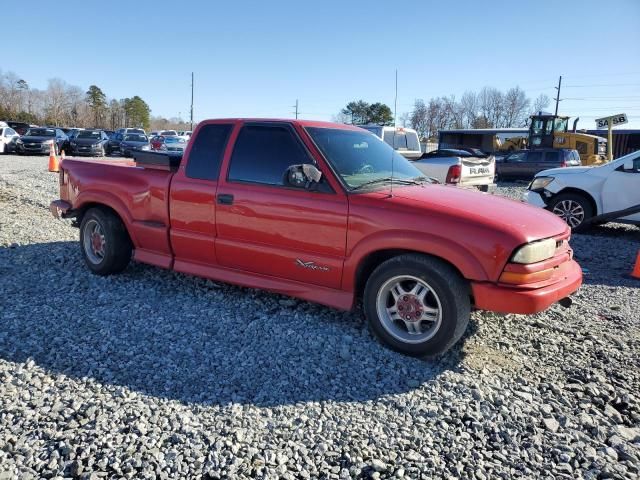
<point>551,131</point>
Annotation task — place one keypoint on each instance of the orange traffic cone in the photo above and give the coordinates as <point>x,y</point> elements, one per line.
<point>635,273</point>
<point>53,161</point>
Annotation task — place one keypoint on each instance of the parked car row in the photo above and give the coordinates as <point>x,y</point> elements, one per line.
<point>25,139</point>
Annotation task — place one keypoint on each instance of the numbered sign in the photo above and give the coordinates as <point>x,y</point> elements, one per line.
<point>615,120</point>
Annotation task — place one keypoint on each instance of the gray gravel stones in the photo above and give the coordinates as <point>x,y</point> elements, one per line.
<point>152,374</point>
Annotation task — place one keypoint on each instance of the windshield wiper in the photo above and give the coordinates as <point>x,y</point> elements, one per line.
<point>403,181</point>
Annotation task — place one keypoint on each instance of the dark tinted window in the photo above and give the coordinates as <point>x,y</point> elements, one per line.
<point>534,157</point>
<point>552,157</point>
<point>262,154</point>
<point>207,151</point>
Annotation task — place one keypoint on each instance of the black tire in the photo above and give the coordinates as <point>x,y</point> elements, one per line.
<point>557,203</point>
<point>116,247</point>
<point>452,291</point>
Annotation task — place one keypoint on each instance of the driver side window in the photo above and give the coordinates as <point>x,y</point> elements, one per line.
<point>263,153</point>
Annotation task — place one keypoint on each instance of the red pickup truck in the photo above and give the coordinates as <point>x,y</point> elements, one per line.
<point>327,213</point>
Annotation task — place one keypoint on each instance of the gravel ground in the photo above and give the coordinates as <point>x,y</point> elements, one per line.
<point>152,374</point>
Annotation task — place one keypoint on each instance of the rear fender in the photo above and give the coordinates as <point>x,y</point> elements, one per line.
<point>88,197</point>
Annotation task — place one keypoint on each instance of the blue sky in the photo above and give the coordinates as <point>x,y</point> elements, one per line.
<point>256,58</point>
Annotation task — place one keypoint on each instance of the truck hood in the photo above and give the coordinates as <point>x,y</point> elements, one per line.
<point>523,222</point>
<point>563,170</point>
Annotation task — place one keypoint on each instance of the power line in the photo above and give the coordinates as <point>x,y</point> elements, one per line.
<point>604,85</point>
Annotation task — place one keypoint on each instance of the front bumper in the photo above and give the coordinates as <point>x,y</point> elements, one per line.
<point>37,149</point>
<point>509,299</point>
<point>534,198</point>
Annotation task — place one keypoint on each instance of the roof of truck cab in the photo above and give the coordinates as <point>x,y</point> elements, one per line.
<point>302,123</point>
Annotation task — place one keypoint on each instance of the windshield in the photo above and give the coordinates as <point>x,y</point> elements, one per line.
<point>174,140</point>
<point>94,134</point>
<point>41,132</point>
<point>361,157</point>
<point>560,124</point>
<point>169,133</point>
<point>135,138</point>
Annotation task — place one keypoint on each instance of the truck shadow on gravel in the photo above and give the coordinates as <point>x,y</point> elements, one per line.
<point>172,336</point>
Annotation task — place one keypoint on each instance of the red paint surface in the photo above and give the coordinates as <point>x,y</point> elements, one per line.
<point>269,235</point>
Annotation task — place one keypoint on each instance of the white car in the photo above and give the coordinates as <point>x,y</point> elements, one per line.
<point>585,195</point>
<point>8,136</point>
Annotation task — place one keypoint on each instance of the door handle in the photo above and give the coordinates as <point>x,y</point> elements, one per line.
<point>225,199</point>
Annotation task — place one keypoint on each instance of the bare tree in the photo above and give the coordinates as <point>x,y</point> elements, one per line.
<point>541,103</point>
<point>341,117</point>
<point>516,108</point>
<point>419,119</point>
<point>469,108</point>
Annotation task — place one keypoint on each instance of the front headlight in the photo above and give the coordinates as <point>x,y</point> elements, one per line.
<point>540,183</point>
<point>19,141</point>
<point>145,147</point>
<point>535,251</point>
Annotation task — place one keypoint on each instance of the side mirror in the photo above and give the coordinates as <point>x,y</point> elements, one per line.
<point>302,176</point>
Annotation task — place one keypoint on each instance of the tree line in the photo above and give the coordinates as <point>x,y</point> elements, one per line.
<point>488,108</point>
<point>61,104</point>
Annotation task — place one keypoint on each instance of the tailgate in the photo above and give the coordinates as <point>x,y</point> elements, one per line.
<point>477,170</point>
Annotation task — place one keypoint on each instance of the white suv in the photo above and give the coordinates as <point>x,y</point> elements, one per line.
<point>585,195</point>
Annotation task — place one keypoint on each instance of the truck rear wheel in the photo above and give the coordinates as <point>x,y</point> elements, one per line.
<point>417,305</point>
<point>104,242</point>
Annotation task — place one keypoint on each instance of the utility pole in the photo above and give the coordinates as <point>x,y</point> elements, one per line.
<point>192,101</point>
<point>296,107</point>
<point>558,96</point>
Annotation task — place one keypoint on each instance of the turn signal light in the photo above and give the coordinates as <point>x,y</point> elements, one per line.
<point>515,278</point>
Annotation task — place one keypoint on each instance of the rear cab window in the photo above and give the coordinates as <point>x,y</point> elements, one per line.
<point>207,151</point>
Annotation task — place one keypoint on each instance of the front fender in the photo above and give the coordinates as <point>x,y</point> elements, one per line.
<point>457,255</point>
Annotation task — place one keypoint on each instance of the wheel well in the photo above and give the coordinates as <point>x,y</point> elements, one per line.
<point>582,193</point>
<point>369,263</point>
<point>87,206</point>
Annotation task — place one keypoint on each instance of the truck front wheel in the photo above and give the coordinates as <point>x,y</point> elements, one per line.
<point>104,242</point>
<point>417,305</point>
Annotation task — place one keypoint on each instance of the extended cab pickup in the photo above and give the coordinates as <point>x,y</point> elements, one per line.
<point>324,212</point>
